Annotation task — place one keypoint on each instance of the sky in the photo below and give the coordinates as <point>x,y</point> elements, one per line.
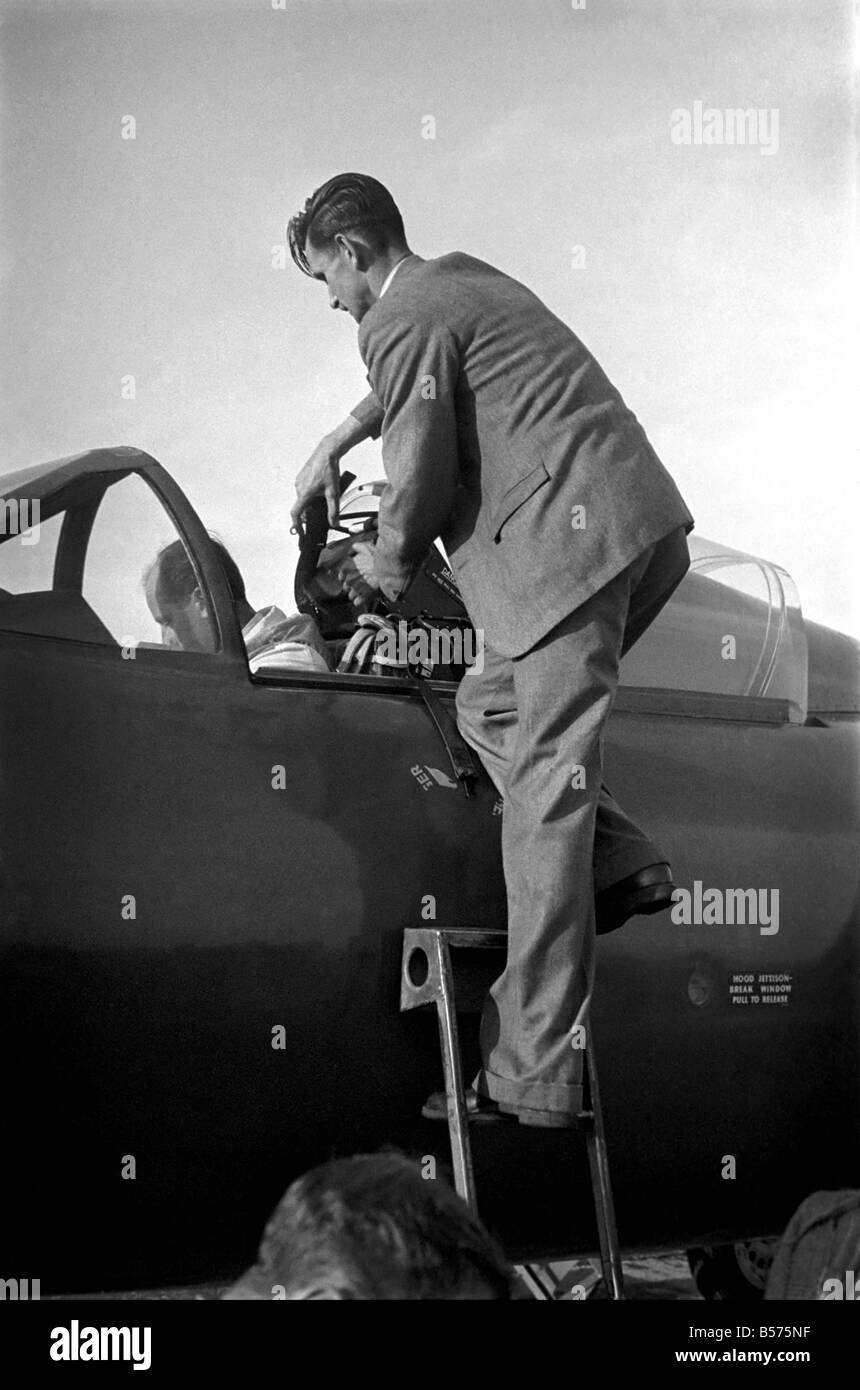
<point>713,281</point>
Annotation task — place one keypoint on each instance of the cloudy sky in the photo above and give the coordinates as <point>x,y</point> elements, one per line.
<point>712,281</point>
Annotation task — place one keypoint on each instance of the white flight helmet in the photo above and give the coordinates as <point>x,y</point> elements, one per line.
<point>359,506</point>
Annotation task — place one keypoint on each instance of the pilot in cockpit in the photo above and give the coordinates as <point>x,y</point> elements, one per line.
<point>179,606</point>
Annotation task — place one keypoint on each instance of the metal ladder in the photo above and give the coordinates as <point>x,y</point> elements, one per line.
<point>427,977</point>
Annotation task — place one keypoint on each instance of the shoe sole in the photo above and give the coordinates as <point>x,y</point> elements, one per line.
<point>540,1119</point>
<point>490,1112</point>
<point>611,917</point>
<point>535,1119</point>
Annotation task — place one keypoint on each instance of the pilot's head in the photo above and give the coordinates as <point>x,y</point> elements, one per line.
<point>177,602</point>
<point>349,235</point>
<point>372,1227</point>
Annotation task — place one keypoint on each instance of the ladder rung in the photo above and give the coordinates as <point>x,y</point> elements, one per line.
<point>460,937</point>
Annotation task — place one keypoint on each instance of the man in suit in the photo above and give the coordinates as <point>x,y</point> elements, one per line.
<point>503,437</point>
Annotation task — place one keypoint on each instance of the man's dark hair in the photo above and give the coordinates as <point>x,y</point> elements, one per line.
<point>177,579</point>
<point>372,1227</point>
<point>346,203</point>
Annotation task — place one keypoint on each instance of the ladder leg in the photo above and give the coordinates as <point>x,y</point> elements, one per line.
<point>458,1125</point>
<point>604,1207</point>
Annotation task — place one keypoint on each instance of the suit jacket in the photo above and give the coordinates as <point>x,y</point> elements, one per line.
<point>502,436</point>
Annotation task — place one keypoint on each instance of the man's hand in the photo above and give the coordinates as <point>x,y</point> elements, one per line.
<point>321,474</point>
<point>356,576</point>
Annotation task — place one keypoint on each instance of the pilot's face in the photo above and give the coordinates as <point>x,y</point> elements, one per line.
<point>339,268</point>
<point>184,622</point>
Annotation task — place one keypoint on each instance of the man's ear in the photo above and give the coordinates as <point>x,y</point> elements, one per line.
<point>200,603</point>
<point>356,251</point>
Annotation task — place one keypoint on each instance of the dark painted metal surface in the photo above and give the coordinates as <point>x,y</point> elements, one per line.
<point>257,908</point>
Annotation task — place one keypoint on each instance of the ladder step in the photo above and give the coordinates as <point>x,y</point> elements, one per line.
<point>427,977</point>
<point>421,971</point>
<point>468,937</point>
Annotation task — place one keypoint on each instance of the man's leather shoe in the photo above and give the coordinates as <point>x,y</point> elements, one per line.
<point>435,1106</point>
<point>649,890</point>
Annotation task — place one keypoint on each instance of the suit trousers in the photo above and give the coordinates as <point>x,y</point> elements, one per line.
<point>537,723</point>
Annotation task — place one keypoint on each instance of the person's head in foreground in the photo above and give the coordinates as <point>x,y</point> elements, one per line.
<point>371,1227</point>
<point>177,602</point>
<point>349,234</point>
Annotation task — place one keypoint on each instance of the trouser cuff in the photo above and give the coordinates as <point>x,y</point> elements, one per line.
<point>530,1095</point>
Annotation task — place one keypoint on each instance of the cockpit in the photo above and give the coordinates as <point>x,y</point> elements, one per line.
<point>732,628</point>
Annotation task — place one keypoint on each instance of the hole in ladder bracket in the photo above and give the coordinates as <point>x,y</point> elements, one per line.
<point>417,967</point>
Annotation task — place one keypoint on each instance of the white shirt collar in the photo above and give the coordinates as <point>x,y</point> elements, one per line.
<point>391,274</point>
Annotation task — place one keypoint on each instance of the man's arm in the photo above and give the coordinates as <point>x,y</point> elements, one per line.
<point>413,368</point>
<point>321,473</point>
<point>369,414</point>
